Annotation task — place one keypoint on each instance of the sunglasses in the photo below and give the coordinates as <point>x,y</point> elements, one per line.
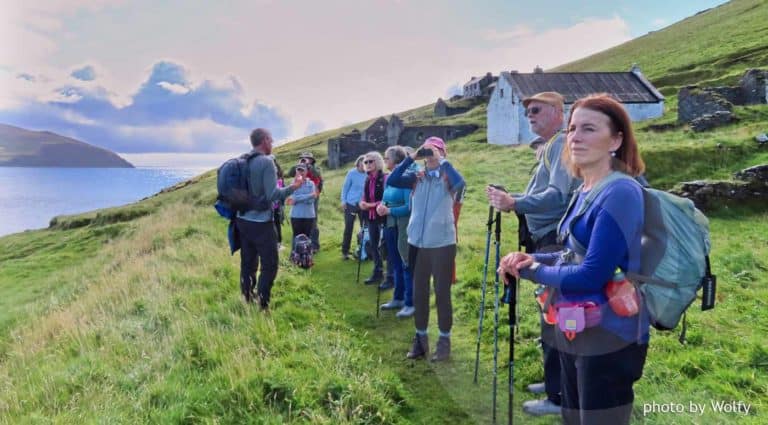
<point>301,170</point>
<point>368,161</point>
<point>533,111</point>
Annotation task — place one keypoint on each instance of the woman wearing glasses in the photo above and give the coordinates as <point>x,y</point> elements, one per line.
<point>373,193</point>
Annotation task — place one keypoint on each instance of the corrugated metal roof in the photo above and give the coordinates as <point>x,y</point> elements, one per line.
<point>627,87</point>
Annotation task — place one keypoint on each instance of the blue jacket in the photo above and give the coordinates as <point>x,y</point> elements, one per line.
<point>611,230</point>
<point>303,201</point>
<point>352,190</point>
<point>398,200</point>
<point>431,224</point>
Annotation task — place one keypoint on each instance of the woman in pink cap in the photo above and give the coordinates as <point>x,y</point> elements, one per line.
<point>431,239</point>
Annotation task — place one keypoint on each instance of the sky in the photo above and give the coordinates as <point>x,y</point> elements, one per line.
<point>153,78</point>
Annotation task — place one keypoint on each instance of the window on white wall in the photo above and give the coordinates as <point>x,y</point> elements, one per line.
<point>502,92</point>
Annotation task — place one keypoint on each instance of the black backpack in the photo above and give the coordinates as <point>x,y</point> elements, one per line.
<point>234,194</point>
<point>302,251</point>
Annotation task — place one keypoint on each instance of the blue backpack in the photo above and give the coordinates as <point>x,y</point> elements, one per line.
<point>234,194</point>
<point>675,250</point>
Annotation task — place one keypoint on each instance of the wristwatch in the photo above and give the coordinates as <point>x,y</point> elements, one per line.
<point>535,266</point>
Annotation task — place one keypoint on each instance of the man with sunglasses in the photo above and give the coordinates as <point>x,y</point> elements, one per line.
<point>542,205</point>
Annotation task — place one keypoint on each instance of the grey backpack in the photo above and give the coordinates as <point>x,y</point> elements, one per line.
<point>675,249</point>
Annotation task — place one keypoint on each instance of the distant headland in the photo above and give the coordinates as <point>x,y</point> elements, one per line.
<point>24,148</point>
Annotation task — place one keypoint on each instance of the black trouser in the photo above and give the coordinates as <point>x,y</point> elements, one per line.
<point>301,226</point>
<point>258,245</point>
<point>374,232</point>
<point>598,371</point>
<point>350,213</point>
<point>436,263</point>
<point>550,354</point>
<point>277,217</point>
<point>314,232</point>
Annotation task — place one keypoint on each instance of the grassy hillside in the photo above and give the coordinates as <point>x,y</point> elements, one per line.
<point>713,47</point>
<point>132,314</point>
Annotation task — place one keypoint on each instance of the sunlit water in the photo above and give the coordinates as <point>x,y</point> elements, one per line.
<point>31,197</point>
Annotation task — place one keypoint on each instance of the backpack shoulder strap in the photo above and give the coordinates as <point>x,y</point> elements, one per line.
<point>586,203</point>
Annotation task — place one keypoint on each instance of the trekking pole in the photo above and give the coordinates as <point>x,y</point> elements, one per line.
<point>378,300</point>
<point>496,312</point>
<point>360,253</point>
<point>510,297</point>
<point>483,290</point>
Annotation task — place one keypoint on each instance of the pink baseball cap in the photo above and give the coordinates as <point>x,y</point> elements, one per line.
<point>436,142</point>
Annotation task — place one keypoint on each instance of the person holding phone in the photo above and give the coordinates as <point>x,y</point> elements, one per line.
<point>431,240</point>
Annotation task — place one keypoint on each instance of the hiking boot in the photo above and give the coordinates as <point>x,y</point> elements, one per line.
<point>405,312</point>
<point>394,304</point>
<point>387,284</point>
<point>420,347</point>
<point>374,280</point>
<point>443,349</point>
<point>537,388</point>
<point>541,407</point>
<point>345,257</point>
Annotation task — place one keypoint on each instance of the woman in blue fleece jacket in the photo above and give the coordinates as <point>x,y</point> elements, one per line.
<point>601,362</point>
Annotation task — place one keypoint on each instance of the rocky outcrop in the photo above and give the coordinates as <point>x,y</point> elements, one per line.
<point>710,121</point>
<point>751,184</point>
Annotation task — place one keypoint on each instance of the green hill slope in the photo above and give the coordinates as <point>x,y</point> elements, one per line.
<point>713,47</point>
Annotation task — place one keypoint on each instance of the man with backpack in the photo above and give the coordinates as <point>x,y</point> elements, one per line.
<point>257,231</point>
<point>539,210</point>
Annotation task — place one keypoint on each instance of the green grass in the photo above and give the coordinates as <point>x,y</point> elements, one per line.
<point>711,48</point>
<point>132,314</point>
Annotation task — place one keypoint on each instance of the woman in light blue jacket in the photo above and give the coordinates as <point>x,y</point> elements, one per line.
<point>432,239</point>
<point>303,202</point>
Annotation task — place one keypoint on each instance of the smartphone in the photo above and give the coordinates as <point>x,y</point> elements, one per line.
<point>424,152</point>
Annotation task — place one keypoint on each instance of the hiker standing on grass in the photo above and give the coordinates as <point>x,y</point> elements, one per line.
<point>396,207</point>
<point>351,193</point>
<point>431,239</point>
<point>542,205</point>
<point>373,192</point>
<point>313,173</point>
<point>600,362</point>
<point>302,203</point>
<point>256,229</point>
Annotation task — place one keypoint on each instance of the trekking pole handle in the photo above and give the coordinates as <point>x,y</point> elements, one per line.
<point>490,218</point>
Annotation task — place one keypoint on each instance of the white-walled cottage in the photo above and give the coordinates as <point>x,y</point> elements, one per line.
<point>507,124</point>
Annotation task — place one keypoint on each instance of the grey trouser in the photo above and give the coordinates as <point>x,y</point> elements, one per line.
<point>438,264</point>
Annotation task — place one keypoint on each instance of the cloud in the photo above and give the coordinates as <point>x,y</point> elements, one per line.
<point>168,113</point>
<point>515,33</point>
<point>86,73</point>
<point>453,90</point>
<point>314,127</point>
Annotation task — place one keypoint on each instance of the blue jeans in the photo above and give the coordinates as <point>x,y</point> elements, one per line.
<point>401,274</point>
